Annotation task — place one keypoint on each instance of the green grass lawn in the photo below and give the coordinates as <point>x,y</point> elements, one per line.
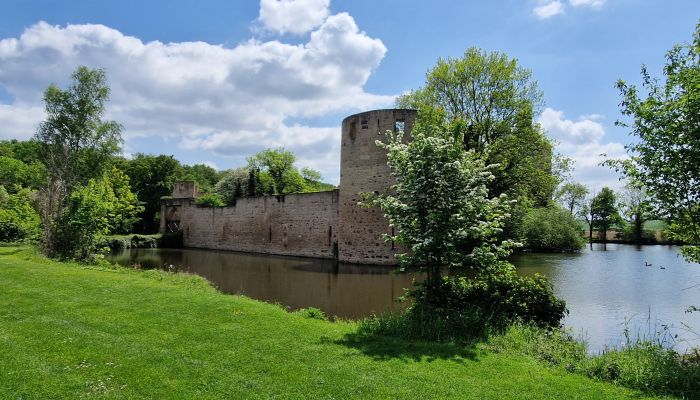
<point>71,331</point>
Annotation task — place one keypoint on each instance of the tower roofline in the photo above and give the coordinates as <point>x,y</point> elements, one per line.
<point>378,110</point>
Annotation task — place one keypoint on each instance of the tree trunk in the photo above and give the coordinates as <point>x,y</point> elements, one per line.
<point>637,229</point>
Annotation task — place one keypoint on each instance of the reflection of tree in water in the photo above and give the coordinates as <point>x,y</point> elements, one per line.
<point>343,290</point>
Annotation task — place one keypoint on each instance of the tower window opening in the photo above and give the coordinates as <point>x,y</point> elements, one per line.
<point>399,125</point>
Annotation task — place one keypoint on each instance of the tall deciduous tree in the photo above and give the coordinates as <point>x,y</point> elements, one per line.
<point>572,196</point>
<point>440,204</point>
<point>279,163</point>
<point>489,101</point>
<point>605,212</point>
<point>665,158</point>
<point>588,215</point>
<point>635,205</point>
<point>76,142</point>
<point>152,177</point>
<point>205,176</point>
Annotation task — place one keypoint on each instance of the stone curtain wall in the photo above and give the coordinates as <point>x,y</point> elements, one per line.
<point>302,224</point>
<point>324,224</point>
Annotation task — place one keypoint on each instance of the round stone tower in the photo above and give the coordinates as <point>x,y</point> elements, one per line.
<point>363,169</point>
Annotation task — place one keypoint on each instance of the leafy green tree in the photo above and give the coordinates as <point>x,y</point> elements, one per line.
<point>105,205</point>
<point>665,157</point>
<point>440,203</point>
<point>489,102</point>
<point>86,220</point>
<point>446,219</point>
<point>313,181</point>
<point>27,151</point>
<point>635,205</point>
<point>126,207</point>
<point>488,92</point>
<point>572,196</point>
<point>587,214</point>
<point>76,145</point>
<point>605,212</point>
<point>15,174</point>
<point>151,177</point>
<point>18,218</point>
<point>205,176</point>
<point>231,186</point>
<point>551,229</point>
<point>275,167</point>
<point>210,200</point>
<point>279,163</point>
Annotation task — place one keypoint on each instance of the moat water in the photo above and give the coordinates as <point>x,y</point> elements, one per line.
<point>643,291</point>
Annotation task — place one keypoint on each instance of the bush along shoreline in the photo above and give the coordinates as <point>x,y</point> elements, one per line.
<point>644,364</point>
<point>160,240</point>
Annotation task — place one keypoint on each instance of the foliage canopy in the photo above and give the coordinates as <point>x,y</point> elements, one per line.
<point>440,203</point>
<point>665,158</point>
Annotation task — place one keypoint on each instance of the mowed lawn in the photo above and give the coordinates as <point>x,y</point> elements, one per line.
<point>72,331</point>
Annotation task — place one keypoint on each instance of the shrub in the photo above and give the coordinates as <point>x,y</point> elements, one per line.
<point>462,308</point>
<point>313,313</point>
<point>10,231</point>
<point>649,367</point>
<point>84,222</point>
<point>628,235</point>
<point>130,242</point>
<point>210,200</point>
<point>551,229</point>
<point>644,365</point>
<point>18,219</point>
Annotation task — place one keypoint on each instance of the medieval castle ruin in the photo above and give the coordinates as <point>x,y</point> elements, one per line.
<point>322,224</point>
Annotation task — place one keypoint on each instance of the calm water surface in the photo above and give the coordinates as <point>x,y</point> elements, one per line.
<point>606,290</point>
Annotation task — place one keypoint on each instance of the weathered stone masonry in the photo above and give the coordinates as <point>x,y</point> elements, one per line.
<point>324,224</point>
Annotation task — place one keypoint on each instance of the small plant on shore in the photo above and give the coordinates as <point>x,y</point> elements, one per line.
<point>642,364</point>
<point>313,313</point>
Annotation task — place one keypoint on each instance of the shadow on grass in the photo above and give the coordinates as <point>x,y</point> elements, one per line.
<point>387,348</point>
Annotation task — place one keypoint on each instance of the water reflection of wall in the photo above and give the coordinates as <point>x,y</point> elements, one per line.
<point>338,289</point>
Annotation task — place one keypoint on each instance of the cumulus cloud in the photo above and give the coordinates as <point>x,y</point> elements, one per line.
<point>204,96</point>
<point>583,141</point>
<point>548,9</point>
<point>292,16</point>
<point>587,3</point>
<point>19,121</point>
<point>568,131</point>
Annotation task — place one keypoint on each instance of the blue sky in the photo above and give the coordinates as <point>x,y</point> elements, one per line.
<point>215,81</point>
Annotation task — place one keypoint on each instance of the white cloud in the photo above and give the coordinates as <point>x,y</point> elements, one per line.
<point>205,96</point>
<point>568,131</point>
<point>19,121</point>
<point>549,9</point>
<point>583,141</point>
<point>292,16</point>
<point>587,3</point>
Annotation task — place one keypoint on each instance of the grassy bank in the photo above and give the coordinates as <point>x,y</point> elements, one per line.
<point>71,331</point>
